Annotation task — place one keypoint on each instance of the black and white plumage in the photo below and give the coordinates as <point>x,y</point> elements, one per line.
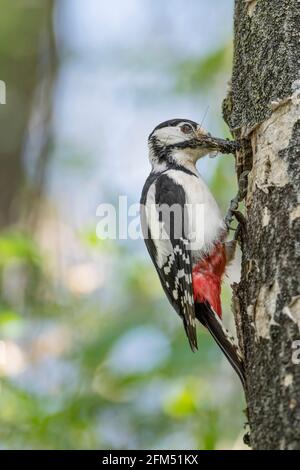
<point>172,237</point>
<point>171,256</point>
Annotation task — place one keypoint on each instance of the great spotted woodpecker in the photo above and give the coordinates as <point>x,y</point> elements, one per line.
<point>184,231</point>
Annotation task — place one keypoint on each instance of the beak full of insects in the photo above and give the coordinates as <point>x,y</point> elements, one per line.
<point>214,144</point>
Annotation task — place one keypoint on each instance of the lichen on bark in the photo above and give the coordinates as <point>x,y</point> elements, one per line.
<point>263,109</point>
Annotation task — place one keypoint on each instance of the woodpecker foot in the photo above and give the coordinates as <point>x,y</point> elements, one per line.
<point>247,436</point>
<point>246,439</point>
<point>241,228</point>
<point>234,203</point>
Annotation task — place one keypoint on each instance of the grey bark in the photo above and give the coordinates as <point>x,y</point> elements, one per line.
<point>263,109</point>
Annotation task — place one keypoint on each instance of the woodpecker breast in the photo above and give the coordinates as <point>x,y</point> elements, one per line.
<point>205,223</point>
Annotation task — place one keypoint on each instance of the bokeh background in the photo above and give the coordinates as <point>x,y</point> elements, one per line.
<point>91,354</point>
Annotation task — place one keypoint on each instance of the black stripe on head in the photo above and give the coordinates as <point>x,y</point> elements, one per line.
<point>173,123</point>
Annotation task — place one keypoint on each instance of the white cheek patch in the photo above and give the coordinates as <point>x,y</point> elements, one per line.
<point>170,135</point>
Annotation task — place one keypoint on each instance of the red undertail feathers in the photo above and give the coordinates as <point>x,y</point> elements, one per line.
<point>207,278</point>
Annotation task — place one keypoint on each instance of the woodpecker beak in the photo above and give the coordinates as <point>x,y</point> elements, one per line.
<point>216,144</point>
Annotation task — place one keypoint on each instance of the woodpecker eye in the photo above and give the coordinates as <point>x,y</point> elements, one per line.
<point>186,128</point>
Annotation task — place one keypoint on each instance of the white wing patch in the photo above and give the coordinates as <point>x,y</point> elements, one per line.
<point>158,234</point>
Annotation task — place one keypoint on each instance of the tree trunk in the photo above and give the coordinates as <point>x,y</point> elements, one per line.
<point>263,109</point>
<point>27,66</point>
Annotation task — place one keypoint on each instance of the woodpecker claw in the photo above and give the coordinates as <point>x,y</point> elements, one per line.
<point>241,228</point>
<point>230,213</point>
<point>240,218</point>
<point>234,203</point>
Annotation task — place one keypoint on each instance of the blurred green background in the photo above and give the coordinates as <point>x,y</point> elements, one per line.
<point>91,354</point>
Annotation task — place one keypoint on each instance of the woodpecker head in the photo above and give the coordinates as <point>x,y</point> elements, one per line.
<point>182,142</point>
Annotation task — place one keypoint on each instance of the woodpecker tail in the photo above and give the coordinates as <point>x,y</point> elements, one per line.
<point>212,322</point>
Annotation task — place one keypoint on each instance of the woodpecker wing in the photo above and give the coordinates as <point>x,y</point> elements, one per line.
<point>177,273</point>
<point>169,248</point>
